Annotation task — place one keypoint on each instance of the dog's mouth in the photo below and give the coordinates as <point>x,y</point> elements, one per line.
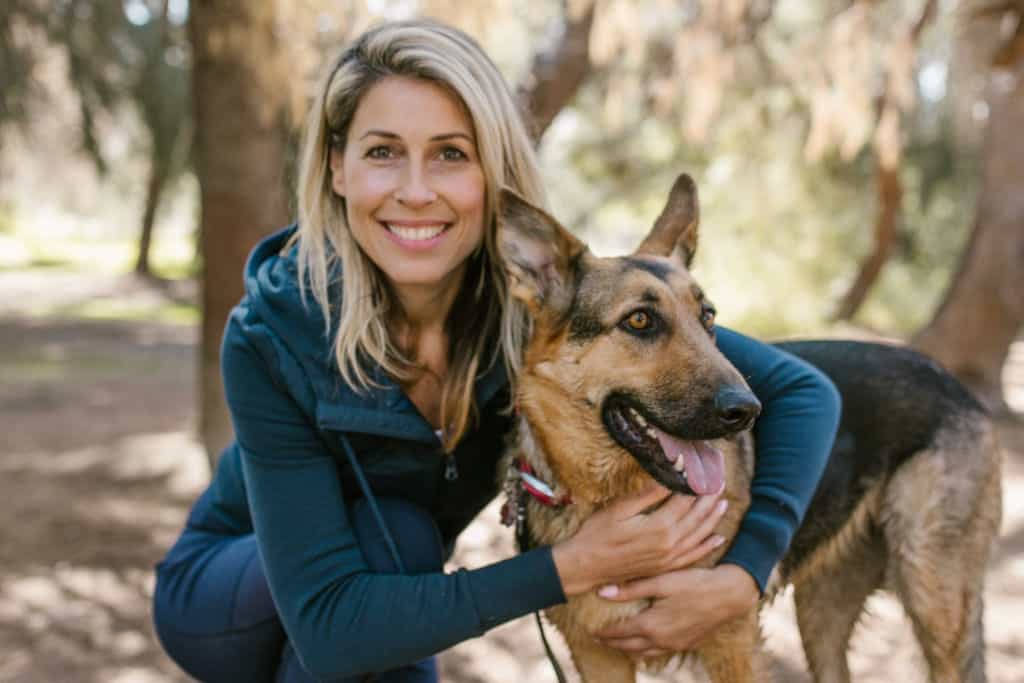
<point>687,466</point>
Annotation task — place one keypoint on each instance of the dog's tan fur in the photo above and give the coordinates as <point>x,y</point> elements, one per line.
<point>925,533</point>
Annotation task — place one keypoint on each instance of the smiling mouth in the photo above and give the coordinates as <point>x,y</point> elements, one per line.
<point>419,233</point>
<point>687,466</point>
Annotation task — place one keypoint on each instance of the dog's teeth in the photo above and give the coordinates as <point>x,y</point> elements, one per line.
<point>680,464</point>
<point>650,432</point>
<point>640,419</point>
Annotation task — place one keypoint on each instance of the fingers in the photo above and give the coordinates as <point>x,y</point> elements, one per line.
<point>637,503</point>
<point>699,552</point>
<point>683,515</point>
<point>706,516</point>
<point>635,645</point>
<point>652,587</point>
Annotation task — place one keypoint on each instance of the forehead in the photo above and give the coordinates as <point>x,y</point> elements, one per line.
<point>387,105</point>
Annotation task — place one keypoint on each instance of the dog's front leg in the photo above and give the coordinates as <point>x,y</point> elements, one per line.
<point>600,664</point>
<point>732,654</point>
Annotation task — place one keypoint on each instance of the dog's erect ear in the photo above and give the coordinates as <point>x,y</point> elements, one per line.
<point>676,227</point>
<point>538,254</point>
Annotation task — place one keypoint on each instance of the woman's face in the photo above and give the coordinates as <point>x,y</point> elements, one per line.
<point>412,182</point>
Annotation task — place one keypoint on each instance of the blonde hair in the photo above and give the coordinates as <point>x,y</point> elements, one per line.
<point>485,323</point>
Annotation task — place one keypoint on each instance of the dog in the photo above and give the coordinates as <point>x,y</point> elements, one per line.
<point>910,499</point>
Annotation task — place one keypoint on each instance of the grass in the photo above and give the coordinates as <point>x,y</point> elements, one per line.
<point>172,258</point>
<point>168,312</point>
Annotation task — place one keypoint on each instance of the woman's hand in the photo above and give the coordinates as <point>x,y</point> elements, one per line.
<point>688,605</point>
<point>623,542</point>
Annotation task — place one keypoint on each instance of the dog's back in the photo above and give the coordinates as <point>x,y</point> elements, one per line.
<point>910,501</point>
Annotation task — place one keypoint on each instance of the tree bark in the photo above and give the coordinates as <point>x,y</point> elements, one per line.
<point>558,73</point>
<point>241,124</point>
<point>983,310</point>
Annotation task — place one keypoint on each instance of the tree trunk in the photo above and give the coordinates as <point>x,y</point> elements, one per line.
<point>983,310</point>
<point>240,115</point>
<point>154,190</point>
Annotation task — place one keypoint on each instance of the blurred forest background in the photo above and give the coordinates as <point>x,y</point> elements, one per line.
<point>860,164</point>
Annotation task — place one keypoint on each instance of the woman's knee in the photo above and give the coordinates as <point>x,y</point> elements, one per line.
<point>213,613</point>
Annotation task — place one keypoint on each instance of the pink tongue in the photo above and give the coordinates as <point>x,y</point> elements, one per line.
<point>704,464</point>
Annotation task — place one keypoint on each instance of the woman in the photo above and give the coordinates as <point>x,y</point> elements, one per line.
<point>366,372</point>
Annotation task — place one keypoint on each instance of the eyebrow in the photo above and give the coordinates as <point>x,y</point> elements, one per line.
<point>436,138</point>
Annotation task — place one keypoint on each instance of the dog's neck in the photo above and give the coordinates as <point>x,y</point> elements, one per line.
<point>531,452</point>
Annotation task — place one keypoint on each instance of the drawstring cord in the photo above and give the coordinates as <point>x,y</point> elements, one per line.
<point>368,495</point>
<point>364,486</point>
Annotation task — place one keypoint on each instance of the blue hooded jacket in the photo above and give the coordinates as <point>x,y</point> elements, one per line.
<point>287,478</point>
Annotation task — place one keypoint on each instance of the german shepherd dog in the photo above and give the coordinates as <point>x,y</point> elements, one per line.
<point>910,499</point>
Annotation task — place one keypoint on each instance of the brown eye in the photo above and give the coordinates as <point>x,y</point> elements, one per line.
<point>707,315</point>
<point>639,320</point>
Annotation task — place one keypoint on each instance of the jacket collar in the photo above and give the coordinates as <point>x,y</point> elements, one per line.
<point>271,279</point>
<point>387,411</point>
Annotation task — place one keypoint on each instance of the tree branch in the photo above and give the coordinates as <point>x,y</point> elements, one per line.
<point>557,74</point>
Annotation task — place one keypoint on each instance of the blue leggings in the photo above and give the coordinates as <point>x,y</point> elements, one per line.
<point>214,615</point>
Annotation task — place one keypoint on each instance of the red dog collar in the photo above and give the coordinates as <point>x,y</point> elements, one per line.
<point>538,489</point>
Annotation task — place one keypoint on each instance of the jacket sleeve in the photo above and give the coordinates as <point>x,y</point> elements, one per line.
<point>793,438</point>
<point>342,619</point>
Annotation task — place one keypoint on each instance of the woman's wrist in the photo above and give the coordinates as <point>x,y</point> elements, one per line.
<point>572,571</point>
<point>742,590</point>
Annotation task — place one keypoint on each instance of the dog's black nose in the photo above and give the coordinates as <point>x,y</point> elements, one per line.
<point>736,408</point>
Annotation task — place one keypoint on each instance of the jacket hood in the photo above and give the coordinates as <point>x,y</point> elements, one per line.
<point>272,291</point>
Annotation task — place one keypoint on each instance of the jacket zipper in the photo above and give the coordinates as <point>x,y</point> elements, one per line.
<point>451,470</point>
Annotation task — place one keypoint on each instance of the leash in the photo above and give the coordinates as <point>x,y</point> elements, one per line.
<point>522,480</point>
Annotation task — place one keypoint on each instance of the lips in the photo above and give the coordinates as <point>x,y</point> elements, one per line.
<point>687,466</point>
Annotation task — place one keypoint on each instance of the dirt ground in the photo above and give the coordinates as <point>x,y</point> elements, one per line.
<point>98,467</point>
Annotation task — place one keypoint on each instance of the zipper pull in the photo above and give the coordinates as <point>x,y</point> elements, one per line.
<point>451,470</point>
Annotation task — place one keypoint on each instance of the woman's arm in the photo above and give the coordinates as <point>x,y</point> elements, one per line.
<point>341,618</point>
<point>792,438</point>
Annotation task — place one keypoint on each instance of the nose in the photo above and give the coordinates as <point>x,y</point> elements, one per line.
<point>736,408</point>
<point>413,189</point>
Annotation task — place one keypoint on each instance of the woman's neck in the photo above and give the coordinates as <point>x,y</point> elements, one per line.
<point>424,309</point>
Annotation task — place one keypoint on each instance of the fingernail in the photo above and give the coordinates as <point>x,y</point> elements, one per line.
<point>723,505</point>
<point>609,591</point>
<point>717,541</point>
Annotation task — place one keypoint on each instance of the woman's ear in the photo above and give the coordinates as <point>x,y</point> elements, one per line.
<point>336,161</point>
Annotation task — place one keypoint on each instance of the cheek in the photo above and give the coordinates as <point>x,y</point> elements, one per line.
<point>466,191</point>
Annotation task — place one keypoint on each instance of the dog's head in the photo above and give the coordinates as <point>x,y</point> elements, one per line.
<point>622,360</point>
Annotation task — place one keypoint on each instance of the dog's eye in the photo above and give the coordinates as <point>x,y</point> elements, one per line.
<point>639,321</point>
<point>707,316</point>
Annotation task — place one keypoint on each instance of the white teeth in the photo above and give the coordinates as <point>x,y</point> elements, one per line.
<point>650,433</point>
<point>417,234</point>
<point>679,464</point>
<point>638,417</point>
